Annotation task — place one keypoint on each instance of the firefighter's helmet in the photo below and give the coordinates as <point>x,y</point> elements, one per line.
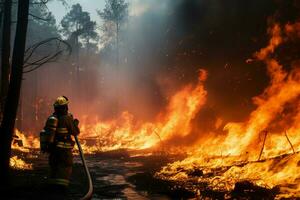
<point>61,101</point>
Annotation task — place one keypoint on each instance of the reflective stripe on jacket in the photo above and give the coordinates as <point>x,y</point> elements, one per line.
<point>65,145</point>
<point>59,181</point>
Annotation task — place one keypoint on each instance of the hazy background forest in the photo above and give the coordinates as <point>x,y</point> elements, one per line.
<point>138,53</point>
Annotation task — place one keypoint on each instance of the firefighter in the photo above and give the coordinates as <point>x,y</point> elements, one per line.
<point>56,139</point>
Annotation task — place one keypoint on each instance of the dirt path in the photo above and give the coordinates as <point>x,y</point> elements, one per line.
<point>115,176</point>
<point>111,179</point>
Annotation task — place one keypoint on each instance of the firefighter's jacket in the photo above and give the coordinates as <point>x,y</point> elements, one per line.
<point>59,130</point>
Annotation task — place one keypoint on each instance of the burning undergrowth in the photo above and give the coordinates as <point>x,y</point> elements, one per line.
<point>23,147</point>
<point>175,121</point>
<point>263,150</point>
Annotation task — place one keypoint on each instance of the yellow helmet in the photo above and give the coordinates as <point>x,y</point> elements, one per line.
<point>60,101</point>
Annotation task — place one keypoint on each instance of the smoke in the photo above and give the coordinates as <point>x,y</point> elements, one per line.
<point>165,43</point>
<point>163,46</point>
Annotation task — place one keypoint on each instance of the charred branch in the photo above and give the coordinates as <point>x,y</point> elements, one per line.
<point>39,18</point>
<point>61,46</point>
<point>32,3</point>
<point>263,146</point>
<point>40,2</point>
<point>289,142</point>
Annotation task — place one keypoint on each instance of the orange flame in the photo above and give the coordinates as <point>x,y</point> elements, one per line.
<point>18,163</point>
<point>25,142</point>
<point>126,132</point>
<point>242,143</point>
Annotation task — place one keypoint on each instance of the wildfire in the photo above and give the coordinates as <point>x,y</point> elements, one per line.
<point>226,160</point>
<point>18,163</point>
<point>126,132</point>
<point>24,143</point>
<point>263,149</point>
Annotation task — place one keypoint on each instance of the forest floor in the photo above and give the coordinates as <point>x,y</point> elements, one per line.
<point>116,175</point>
<point>119,175</point>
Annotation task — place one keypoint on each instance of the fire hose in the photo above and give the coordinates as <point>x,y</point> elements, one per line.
<point>89,193</point>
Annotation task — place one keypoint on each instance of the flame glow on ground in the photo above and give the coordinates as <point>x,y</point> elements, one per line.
<point>263,149</point>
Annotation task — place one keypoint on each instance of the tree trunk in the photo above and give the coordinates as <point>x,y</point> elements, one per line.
<point>19,121</point>
<point>5,65</point>
<point>117,72</point>
<point>77,57</point>
<point>117,44</point>
<point>88,46</point>
<point>13,95</point>
<point>1,23</point>
<point>1,18</point>
<point>35,97</point>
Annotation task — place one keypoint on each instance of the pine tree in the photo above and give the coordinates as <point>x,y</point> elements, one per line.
<point>114,15</point>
